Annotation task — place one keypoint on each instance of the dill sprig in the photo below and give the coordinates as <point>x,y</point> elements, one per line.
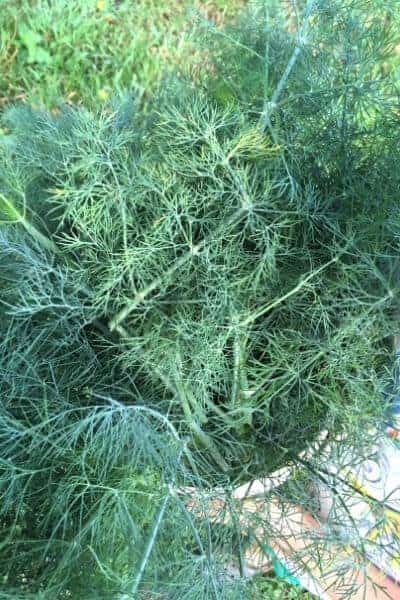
<point>193,290</point>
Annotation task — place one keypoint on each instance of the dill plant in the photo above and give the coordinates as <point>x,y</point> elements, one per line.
<point>192,290</point>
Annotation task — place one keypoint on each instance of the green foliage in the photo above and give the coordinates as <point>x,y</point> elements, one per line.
<point>274,589</point>
<point>191,291</point>
<point>84,50</point>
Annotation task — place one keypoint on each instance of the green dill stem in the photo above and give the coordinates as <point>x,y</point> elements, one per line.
<point>194,250</point>
<point>142,295</point>
<point>198,431</point>
<point>98,561</point>
<point>270,105</point>
<point>191,422</point>
<point>202,436</point>
<point>160,417</point>
<point>44,241</point>
<point>297,288</point>
<point>219,32</point>
<point>236,370</point>
<point>206,441</point>
<point>20,217</point>
<point>150,544</point>
<point>237,363</point>
<point>188,401</point>
<point>204,553</point>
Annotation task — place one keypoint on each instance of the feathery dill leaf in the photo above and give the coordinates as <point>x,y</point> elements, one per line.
<point>190,294</point>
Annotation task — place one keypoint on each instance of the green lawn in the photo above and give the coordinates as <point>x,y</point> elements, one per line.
<point>85,50</point>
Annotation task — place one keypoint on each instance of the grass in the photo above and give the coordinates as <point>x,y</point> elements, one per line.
<point>83,51</point>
